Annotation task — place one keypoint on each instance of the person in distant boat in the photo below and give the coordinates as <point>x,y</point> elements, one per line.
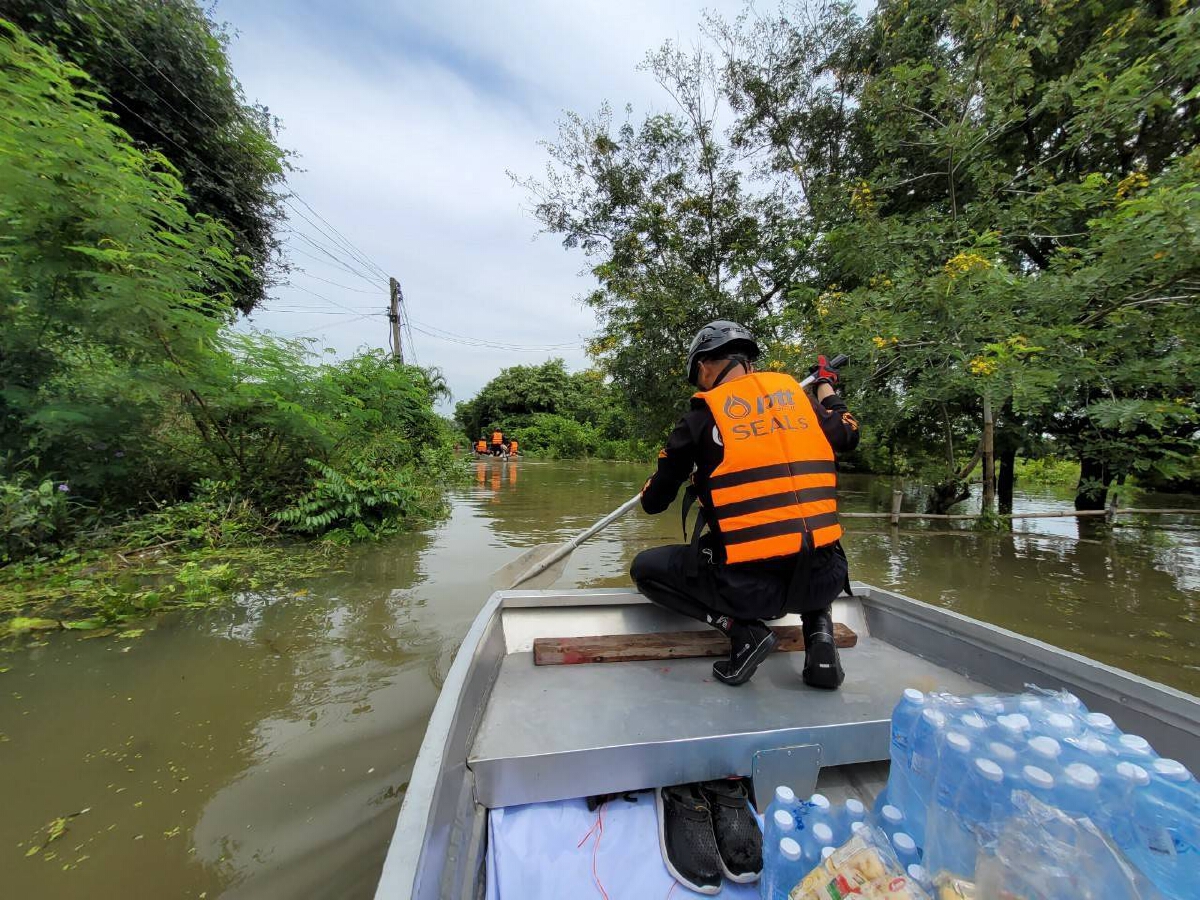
<point>497,442</point>
<point>765,479</point>
<point>481,447</point>
<point>512,447</point>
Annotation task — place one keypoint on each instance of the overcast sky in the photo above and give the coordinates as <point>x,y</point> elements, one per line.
<point>405,115</point>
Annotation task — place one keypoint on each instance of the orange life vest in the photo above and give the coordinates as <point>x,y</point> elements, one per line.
<point>512,447</point>
<point>497,437</point>
<point>481,446</point>
<point>778,479</point>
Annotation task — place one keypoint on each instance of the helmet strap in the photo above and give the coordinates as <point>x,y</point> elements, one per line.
<point>729,367</point>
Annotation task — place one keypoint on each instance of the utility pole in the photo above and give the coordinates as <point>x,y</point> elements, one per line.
<point>989,457</point>
<point>394,318</point>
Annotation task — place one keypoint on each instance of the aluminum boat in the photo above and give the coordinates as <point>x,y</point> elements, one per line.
<point>505,732</point>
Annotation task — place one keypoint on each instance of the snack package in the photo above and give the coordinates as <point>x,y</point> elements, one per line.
<point>950,887</point>
<point>864,868</point>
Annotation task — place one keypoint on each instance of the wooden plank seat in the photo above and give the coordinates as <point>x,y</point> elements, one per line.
<point>606,648</point>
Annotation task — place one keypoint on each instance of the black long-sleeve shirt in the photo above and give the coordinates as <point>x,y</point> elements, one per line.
<point>692,446</point>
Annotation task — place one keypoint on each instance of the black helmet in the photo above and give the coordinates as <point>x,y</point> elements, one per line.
<point>730,337</point>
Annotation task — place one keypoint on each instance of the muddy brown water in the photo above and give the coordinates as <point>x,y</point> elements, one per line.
<point>262,751</point>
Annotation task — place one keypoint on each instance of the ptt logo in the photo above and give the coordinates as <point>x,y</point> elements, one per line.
<point>776,400</point>
<point>737,408</point>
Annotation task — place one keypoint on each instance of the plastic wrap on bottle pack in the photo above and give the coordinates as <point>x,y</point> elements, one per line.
<point>1043,854</point>
<point>865,866</point>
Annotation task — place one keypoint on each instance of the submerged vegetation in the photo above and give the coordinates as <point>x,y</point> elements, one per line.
<point>151,455</point>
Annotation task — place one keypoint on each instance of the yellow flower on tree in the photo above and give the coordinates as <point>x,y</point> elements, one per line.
<point>965,263</point>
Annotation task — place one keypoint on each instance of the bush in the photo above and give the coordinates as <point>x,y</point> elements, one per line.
<point>34,518</point>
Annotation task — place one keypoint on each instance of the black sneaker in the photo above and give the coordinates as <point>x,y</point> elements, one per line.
<point>822,665</point>
<point>738,839</point>
<point>686,838</point>
<point>749,646</point>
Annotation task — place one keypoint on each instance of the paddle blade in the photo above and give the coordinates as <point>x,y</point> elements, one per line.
<point>503,579</point>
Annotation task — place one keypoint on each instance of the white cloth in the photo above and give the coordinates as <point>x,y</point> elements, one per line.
<point>535,852</point>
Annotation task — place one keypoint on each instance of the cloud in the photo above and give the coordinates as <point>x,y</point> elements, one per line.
<point>406,118</point>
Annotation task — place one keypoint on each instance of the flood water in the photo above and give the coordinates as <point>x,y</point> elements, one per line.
<point>262,751</point>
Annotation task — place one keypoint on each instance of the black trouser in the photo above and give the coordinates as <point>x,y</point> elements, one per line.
<point>722,595</point>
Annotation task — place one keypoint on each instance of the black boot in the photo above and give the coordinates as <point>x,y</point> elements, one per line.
<point>822,666</point>
<point>750,643</point>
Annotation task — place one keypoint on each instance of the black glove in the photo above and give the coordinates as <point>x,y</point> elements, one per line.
<point>823,373</point>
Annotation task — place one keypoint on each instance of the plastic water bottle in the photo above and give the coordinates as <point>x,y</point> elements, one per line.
<point>1043,751</point>
<point>779,824</point>
<point>850,812</point>
<point>1167,828</point>
<point>1078,791</point>
<point>1012,729</point>
<point>1038,782</point>
<point>1059,726</point>
<point>1010,763</point>
<point>785,871</point>
<point>904,718</point>
<point>925,740</point>
<point>1101,724</point>
<point>820,838</point>
<point>988,705</point>
<point>954,768</point>
<point>968,820</point>
<point>890,819</point>
<point>972,726</point>
<point>1031,706</point>
<point>1135,749</point>
<point>1089,750</point>
<point>1120,796</point>
<point>918,874</point>
<point>906,849</point>
<point>815,812</point>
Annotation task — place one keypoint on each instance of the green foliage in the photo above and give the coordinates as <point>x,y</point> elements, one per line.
<point>363,500</point>
<point>552,412</point>
<point>1048,471</point>
<point>972,199</point>
<point>33,516</point>
<point>164,70</point>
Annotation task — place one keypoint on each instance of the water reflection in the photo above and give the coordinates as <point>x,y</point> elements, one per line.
<point>263,751</point>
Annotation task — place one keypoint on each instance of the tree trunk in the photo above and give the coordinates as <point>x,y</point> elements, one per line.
<point>1087,494</point>
<point>989,457</point>
<point>1007,479</point>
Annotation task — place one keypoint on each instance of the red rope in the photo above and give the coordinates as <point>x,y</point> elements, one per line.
<point>674,884</point>
<point>598,828</point>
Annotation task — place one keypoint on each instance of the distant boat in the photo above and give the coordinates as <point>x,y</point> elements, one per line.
<point>506,732</point>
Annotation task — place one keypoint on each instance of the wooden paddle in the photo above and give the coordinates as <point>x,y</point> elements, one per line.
<point>542,565</point>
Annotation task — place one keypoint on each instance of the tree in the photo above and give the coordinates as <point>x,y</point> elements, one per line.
<point>676,238</point>
<point>999,191</point>
<point>163,68</point>
<point>109,286</point>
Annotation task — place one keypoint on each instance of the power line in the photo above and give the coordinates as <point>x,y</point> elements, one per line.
<point>317,245</point>
<point>491,345</point>
<point>340,241</point>
<point>344,287</point>
<point>348,245</point>
<point>331,325</point>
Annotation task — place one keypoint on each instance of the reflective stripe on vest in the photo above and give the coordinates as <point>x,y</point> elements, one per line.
<point>778,478</point>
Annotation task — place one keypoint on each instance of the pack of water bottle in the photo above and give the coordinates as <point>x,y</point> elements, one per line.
<point>801,834</point>
<point>963,770</point>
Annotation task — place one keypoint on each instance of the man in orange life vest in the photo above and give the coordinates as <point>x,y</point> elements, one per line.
<point>760,455</point>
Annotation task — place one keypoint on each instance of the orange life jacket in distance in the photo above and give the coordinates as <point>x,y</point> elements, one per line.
<point>778,480</point>
<point>512,446</point>
<point>481,446</point>
<point>497,437</point>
